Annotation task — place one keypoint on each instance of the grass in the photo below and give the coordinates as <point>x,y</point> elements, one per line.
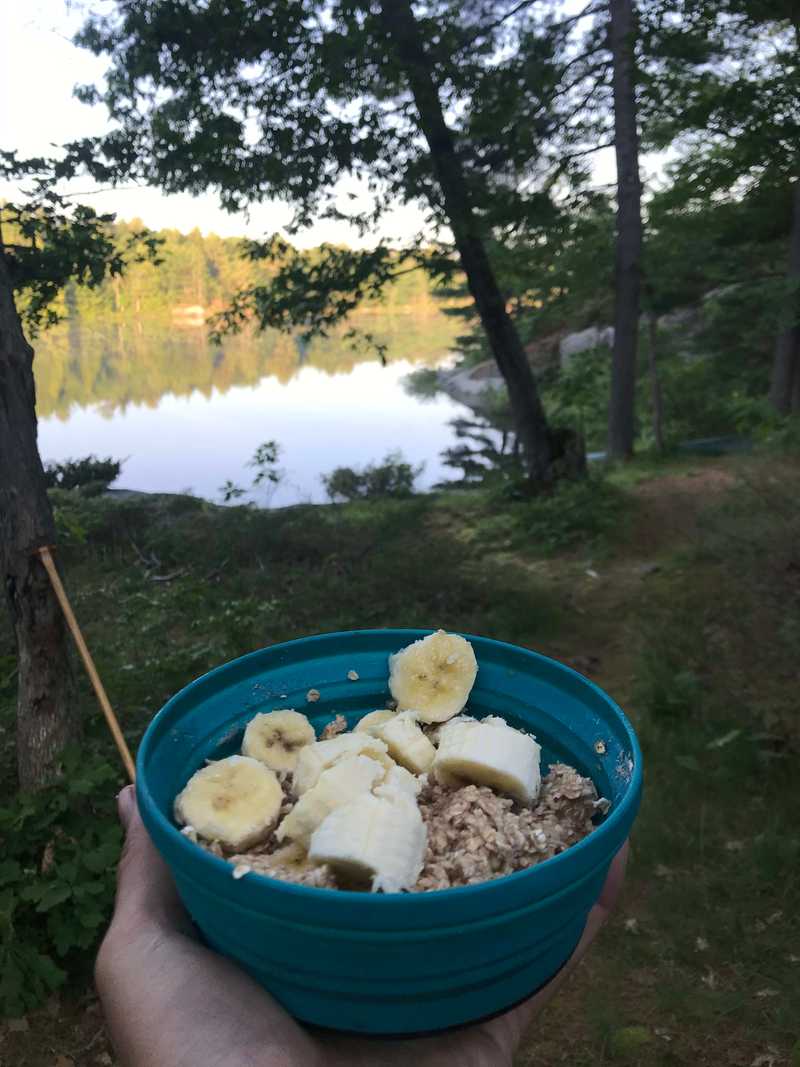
<point>679,591</point>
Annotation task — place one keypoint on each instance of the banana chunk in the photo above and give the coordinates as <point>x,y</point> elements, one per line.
<point>398,779</point>
<point>338,785</point>
<point>434,676</point>
<point>407,744</point>
<point>314,759</point>
<point>276,737</point>
<point>235,801</point>
<point>376,840</point>
<point>373,722</point>
<point>490,753</point>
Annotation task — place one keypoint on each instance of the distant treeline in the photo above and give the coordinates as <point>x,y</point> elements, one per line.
<point>197,271</point>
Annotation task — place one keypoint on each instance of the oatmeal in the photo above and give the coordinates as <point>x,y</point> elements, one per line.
<point>474,835</point>
<point>421,797</point>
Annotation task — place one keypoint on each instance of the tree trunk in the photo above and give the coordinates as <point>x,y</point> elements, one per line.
<point>540,447</point>
<point>45,719</point>
<point>784,393</point>
<point>628,252</point>
<point>655,384</point>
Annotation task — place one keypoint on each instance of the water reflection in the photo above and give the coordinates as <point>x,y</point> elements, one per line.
<point>112,365</point>
<point>189,417</point>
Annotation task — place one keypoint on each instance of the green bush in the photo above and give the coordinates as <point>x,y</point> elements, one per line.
<point>392,478</point>
<point>422,384</point>
<point>60,848</point>
<point>581,513</point>
<point>577,396</point>
<point>87,473</point>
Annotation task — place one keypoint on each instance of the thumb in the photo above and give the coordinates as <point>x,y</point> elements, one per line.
<point>145,890</point>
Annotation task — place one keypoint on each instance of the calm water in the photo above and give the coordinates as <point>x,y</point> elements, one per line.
<point>188,417</point>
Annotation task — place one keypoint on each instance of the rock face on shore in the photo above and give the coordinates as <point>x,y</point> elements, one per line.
<point>477,386</point>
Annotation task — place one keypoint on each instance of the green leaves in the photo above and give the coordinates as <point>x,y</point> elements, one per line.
<point>61,847</point>
<point>26,978</point>
<point>47,240</point>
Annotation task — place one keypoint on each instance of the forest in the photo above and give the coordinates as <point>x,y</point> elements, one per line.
<point>611,203</point>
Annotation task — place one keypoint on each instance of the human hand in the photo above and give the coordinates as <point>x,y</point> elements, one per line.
<point>171,1002</point>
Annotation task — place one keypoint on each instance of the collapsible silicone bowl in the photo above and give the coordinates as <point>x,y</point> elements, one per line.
<point>402,962</point>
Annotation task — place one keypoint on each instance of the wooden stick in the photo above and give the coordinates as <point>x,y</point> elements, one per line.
<point>88,662</point>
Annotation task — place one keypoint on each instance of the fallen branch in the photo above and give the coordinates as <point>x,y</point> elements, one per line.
<point>167,577</point>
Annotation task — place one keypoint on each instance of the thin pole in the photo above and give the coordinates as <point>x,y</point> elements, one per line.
<point>88,662</point>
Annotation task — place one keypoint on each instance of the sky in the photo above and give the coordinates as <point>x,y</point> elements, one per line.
<point>39,67</point>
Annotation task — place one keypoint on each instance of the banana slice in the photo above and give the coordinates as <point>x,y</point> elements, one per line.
<point>276,737</point>
<point>434,730</point>
<point>338,785</point>
<point>234,801</point>
<point>433,675</point>
<point>408,745</point>
<point>489,753</point>
<point>314,759</point>
<point>372,722</point>
<point>398,779</point>
<point>375,840</point>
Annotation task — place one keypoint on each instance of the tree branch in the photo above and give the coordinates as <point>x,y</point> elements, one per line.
<point>590,9</point>
<point>587,151</point>
<point>598,68</point>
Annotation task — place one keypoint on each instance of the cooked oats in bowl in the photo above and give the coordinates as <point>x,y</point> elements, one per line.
<point>394,870</point>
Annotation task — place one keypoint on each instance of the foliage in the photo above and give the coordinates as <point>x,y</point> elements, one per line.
<point>88,472</point>
<point>268,476</point>
<point>48,241</point>
<point>60,848</point>
<point>584,513</point>
<point>323,97</point>
<point>393,478</point>
<point>486,451</point>
<point>422,384</point>
<point>577,395</point>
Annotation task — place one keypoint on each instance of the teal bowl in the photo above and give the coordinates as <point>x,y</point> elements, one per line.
<point>398,963</point>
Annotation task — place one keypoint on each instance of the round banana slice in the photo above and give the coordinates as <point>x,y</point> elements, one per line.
<point>434,676</point>
<point>235,801</point>
<point>372,722</point>
<point>276,737</point>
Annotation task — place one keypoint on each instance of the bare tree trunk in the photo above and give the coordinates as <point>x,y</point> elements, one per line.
<point>784,393</point>
<point>45,716</point>
<point>539,447</point>
<point>628,252</point>
<point>655,384</point>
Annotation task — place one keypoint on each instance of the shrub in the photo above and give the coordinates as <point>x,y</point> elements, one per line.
<point>392,478</point>
<point>577,513</point>
<point>87,473</point>
<point>268,476</point>
<point>59,851</point>
<point>423,384</point>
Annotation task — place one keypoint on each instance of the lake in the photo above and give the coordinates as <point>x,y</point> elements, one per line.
<point>187,416</point>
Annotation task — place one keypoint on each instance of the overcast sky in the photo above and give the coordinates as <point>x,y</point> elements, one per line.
<point>39,67</point>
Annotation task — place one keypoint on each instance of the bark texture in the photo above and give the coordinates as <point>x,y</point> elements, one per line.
<point>45,716</point>
<point>784,393</point>
<point>628,249</point>
<point>546,454</point>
